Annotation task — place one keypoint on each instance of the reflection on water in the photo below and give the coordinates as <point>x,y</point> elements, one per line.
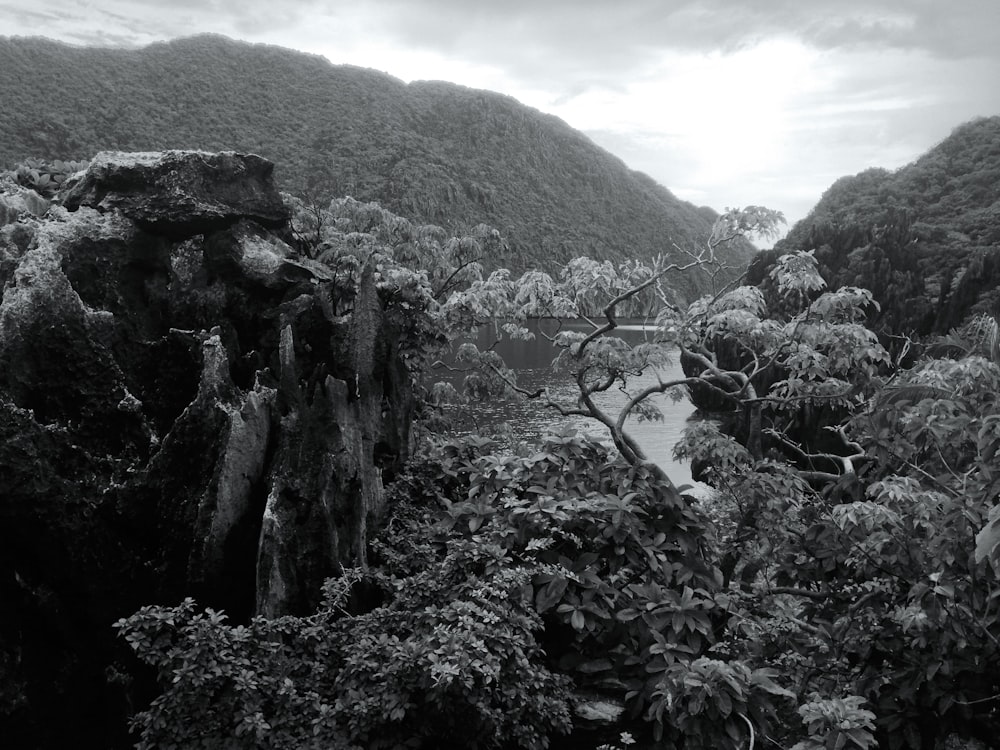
<point>528,420</point>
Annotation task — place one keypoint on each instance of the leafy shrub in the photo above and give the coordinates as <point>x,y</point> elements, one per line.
<point>496,574</point>
<point>876,577</point>
<point>837,724</point>
<point>707,703</point>
<point>450,661</point>
<point>629,601</point>
<point>46,177</point>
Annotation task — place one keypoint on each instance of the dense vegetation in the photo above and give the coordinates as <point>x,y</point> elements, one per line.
<point>430,151</point>
<point>838,590</point>
<point>924,239</point>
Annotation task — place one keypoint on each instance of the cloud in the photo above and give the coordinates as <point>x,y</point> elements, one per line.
<point>573,43</point>
<point>139,22</point>
<point>597,41</point>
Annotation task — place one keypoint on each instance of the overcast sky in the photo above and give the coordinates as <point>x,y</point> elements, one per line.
<point>726,102</point>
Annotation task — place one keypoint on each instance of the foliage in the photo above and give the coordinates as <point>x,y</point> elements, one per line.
<point>836,724</point>
<point>450,660</point>
<point>486,560</point>
<point>598,361</point>
<point>621,583</point>
<point>625,738</point>
<point>703,701</point>
<point>848,556</point>
<point>857,567</point>
<point>847,506</point>
<point>44,177</point>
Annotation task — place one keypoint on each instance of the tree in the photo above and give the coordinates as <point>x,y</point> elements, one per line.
<point>600,293</point>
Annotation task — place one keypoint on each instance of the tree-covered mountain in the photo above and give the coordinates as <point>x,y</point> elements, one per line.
<point>924,239</point>
<point>430,151</point>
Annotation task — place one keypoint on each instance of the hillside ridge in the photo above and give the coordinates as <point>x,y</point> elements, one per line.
<point>431,151</point>
<point>924,238</point>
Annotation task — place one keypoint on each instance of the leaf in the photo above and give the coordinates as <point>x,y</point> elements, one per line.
<point>988,539</point>
<point>947,591</point>
<point>724,703</point>
<point>762,678</point>
<point>550,594</point>
<point>594,666</point>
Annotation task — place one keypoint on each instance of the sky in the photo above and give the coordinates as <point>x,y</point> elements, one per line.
<point>725,102</point>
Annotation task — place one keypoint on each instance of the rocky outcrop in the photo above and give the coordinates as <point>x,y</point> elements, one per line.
<point>183,411</point>
<point>181,193</point>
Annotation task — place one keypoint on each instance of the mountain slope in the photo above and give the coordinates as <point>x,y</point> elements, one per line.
<point>433,152</point>
<point>925,238</point>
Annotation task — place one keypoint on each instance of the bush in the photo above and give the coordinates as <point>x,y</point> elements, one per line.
<point>622,584</point>
<point>450,661</point>
<point>503,582</point>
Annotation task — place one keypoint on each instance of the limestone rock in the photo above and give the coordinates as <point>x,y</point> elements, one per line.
<point>179,194</point>
<point>261,258</point>
<point>17,202</point>
<point>955,742</point>
<point>181,413</point>
<point>19,207</point>
<point>598,711</point>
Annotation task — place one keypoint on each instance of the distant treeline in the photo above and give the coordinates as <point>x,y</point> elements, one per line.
<point>433,152</point>
<point>924,239</point>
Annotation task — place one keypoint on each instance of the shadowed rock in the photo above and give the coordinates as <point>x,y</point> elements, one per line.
<point>181,413</point>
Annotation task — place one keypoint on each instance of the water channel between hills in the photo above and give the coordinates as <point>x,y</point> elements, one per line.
<point>528,420</point>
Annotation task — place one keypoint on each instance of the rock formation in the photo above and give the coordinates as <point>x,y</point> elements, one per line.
<point>183,411</point>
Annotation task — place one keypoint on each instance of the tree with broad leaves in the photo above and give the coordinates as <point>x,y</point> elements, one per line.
<point>855,517</point>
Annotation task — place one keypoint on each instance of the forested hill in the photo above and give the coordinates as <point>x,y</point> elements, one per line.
<point>925,238</point>
<point>430,151</point>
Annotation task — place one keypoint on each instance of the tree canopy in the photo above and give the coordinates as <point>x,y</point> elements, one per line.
<point>923,239</point>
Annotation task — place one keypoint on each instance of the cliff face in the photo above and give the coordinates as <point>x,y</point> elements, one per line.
<point>182,412</point>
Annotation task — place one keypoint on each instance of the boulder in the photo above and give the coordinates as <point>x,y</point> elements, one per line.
<point>594,711</point>
<point>179,194</point>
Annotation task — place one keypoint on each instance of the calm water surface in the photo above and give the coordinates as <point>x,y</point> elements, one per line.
<point>528,420</point>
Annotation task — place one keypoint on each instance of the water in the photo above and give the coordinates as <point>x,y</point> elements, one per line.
<point>529,420</point>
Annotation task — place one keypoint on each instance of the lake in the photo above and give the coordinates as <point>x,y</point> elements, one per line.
<point>528,420</point>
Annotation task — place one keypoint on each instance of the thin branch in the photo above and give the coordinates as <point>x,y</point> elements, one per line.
<point>442,365</point>
<point>536,394</point>
<point>792,590</point>
<point>841,432</point>
<point>980,700</point>
<point>650,391</point>
<point>847,462</point>
<point>709,366</point>
<point>610,309</point>
<point>750,726</point>
<point>601,386</point>
<point>447,282</point>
